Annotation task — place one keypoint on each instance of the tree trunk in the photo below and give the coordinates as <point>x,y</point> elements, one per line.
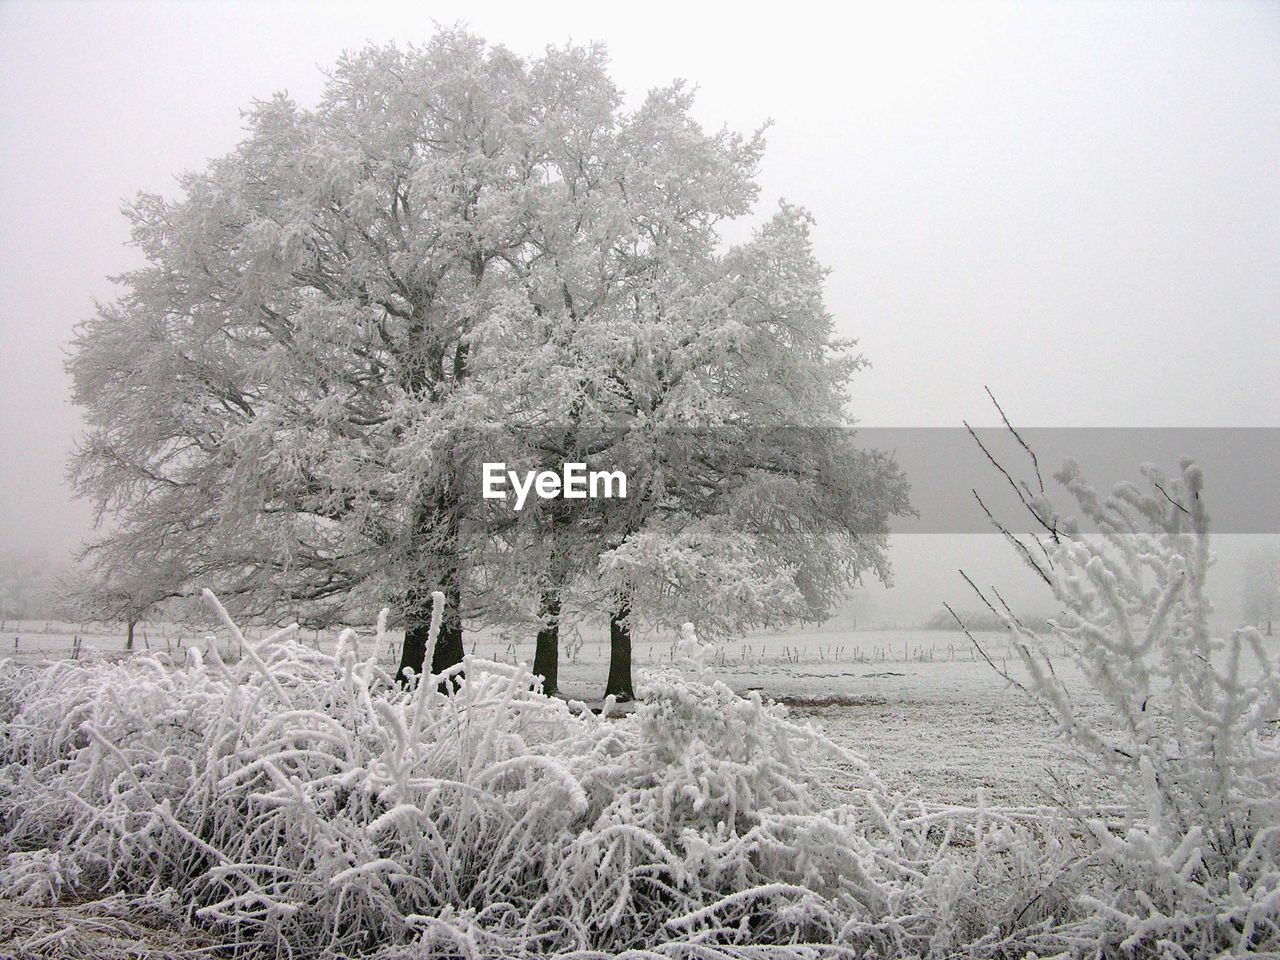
<point>417,632</point>
<point>619,682</point>
<point>546,656</point>
<point>128,636</point>
<point>448,650</point>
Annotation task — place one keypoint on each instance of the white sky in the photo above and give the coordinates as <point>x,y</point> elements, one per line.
<point>1075,203</point>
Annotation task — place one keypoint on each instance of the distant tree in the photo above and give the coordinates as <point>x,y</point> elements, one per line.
<point>1261,588</point>
<point>124,599</point>
<point>983,620</point>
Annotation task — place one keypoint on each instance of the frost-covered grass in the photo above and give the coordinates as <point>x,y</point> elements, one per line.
<point>111,928</point>
<point>304,804</point>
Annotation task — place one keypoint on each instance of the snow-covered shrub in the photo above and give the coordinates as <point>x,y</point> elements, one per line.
<point>304,804</point>
<point>1187,734</point>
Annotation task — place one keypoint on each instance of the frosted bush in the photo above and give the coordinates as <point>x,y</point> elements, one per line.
<point>304,804</point>
<point>1187,733</point>
<point>691,654</point>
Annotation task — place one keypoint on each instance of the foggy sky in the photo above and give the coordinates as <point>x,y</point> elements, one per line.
<point>1077,204</point>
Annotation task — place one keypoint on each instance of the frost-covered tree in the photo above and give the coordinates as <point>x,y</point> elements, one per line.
<point>712,379</point>
<point>278,403</point>
<point>127,596</point>
<point>753,504</point>
<point>459,255</point>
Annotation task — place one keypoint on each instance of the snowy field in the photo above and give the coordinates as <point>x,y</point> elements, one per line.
<point>921,706</point>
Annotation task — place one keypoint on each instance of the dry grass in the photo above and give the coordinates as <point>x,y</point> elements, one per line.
<point>110,929</point>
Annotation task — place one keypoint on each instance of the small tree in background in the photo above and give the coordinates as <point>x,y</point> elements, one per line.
<point>127,600</point>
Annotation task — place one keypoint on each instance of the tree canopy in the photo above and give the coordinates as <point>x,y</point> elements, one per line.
<point>460,255</point>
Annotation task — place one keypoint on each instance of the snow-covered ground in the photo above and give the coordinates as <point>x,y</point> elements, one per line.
<point>921,706</point>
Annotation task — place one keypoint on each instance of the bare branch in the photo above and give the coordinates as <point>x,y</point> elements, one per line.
<point>1035,463</point>
<point>977,646</point>
<point>1022,496</point>
<point>1170,499</point>
<point>1018,544</point>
